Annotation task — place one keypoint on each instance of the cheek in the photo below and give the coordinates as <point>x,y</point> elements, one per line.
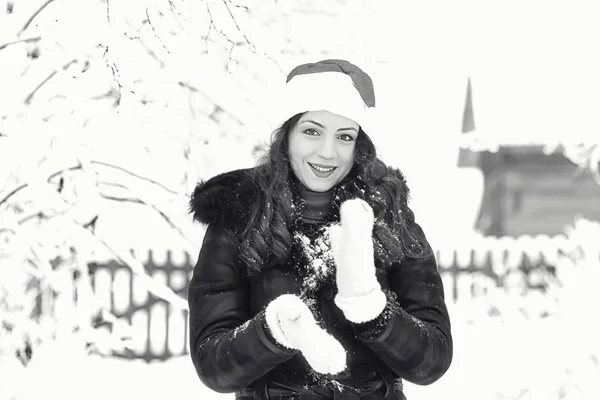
<point>296,147</point>
<point>293,149</point>
<point>348,157</point>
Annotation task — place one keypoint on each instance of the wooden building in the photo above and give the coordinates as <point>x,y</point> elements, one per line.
<point>529,192</point>
<point>525,190</point>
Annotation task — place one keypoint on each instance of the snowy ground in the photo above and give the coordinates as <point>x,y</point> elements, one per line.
<point>520,358</point>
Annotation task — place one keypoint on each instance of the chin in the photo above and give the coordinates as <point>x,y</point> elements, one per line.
<point>320,188</point>
<point>317,186</point>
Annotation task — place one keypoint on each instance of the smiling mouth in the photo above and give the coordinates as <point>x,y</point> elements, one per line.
<point>321,168</point>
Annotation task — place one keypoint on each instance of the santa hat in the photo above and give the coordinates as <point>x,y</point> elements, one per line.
<point>337,86</point>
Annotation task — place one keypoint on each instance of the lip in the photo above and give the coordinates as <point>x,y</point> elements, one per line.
<point>321,174</point>
<point>322,165</point>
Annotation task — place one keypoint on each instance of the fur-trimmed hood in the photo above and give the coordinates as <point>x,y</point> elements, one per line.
<point>226,198</point>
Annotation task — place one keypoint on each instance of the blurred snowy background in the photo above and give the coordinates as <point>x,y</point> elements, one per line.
<point>110,112</point>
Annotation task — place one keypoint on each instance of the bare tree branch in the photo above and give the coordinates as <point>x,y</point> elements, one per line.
<point>155,32</point>
<point>163,214</point>
<point>237,5</point>
<point>115,73</point>
<point>37,215</point>
<point>143,178</point>
<point>24,185</point>
<point>41,214</point>
<point>151,52</point>
<point>29,98</point>
<point>212,25</point>
<point>122,199</point>
<point>35,14</point>
<point>152,285</point>
<point>229,59</point>
<point>252,48</point>
<point>121,186</point>
<point>39,86</point>
<point>251,45</point>
<point>175,13</point>
<point>76,167</point>
<point>31,39</point>
<point>194,89</point>
<point>12,193</point>
<point>137,268</point>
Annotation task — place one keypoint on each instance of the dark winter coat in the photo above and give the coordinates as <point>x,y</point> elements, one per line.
<point>230,343</point>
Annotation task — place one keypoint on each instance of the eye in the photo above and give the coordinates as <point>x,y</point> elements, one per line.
<point>347,138</point>
<point>311,132</point>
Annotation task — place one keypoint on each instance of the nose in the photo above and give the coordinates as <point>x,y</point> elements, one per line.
<point>327,149</point>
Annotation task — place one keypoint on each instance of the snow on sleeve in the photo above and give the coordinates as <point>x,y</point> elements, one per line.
<point>240,328</point>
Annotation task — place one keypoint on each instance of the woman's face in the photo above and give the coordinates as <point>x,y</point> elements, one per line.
<point>321,149</point>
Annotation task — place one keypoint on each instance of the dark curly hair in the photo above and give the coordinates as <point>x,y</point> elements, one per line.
<point>267,238</point>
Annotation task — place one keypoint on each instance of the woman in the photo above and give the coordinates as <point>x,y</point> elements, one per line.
<point>314,281</point>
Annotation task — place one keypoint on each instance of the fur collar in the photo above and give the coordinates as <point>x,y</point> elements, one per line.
<point>226,198</point>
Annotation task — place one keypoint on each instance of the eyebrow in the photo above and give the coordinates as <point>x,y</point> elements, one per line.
<point>322,126</point>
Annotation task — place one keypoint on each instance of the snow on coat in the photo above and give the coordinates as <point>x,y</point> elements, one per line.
<point>411,338</point>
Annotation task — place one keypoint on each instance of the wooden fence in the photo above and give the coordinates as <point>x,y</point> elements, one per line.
<point>161,331</point>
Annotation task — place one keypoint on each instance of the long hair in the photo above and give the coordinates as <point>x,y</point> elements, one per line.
<point>266,240</point>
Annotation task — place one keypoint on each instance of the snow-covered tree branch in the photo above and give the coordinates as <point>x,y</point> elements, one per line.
<point>106,104</point>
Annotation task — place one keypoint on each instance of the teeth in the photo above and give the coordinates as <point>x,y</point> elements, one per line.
<point>321,169</point>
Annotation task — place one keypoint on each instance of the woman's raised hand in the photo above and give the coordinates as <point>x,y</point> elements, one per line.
<point>359,293</point>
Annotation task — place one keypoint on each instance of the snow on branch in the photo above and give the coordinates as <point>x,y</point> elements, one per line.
<point>14,191</point>
<point>163,214</point>
<point>586,156</point>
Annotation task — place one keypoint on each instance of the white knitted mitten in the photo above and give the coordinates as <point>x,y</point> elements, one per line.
<point>359,293</point>
<point>293,325</point>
